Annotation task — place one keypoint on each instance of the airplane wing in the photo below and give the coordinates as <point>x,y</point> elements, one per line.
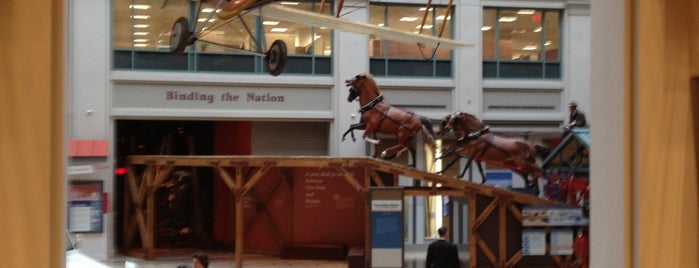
<point>294,15</point>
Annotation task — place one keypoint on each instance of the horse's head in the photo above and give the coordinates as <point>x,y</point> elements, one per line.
<point>461,123</point>
<point>357,83</point>
<point>445,125</point>
<point>466,122</point>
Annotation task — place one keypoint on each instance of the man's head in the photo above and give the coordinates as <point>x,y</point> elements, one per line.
<point>572,105</point>
<point>200,260</point>
<point>442,231</point>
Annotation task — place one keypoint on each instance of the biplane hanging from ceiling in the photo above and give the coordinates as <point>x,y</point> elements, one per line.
<point>228,11</point>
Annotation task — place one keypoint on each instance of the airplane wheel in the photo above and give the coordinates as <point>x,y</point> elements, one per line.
<point>276,57</point>
<point>180,36</point>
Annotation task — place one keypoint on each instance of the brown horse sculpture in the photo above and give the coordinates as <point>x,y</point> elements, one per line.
<point>475,140</point>
<point>380,117</point>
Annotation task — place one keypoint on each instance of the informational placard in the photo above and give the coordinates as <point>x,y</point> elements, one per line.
<point>85,207</point>
<point>553,216</point>
<point>386,227</point>
<point>561,242</point>
<point>533,242</point>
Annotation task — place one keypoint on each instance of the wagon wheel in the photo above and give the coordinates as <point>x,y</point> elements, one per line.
<point>276,57</point>
<point>180,36</point>
<point>556,188</point>
<point>578,191</point>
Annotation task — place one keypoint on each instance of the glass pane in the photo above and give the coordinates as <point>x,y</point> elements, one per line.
<point>521,69</point>
<point>230,34</point>
<point>520,34</point>
<point>552,32</point>
<point>299,38</point>
<point>409,18</point>
<point>488,30</point>
<point>141,24</point>
<point>323,41</point>
<point>377,16</point>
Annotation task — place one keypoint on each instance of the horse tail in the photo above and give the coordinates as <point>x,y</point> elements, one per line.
<point>542,151</point>
<point>427,131</point>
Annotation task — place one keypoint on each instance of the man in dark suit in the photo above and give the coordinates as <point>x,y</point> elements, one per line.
<point>442,253</point>
<point>576,118</point>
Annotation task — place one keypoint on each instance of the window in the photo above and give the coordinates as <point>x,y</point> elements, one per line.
<point>521,43</point>
<point>141,39</point>
<point>390,58</point>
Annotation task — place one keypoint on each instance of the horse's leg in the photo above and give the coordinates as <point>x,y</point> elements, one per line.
<point>480,170</point>
<point>531,182</point>
<point>411,151</point>
<point>372,140</point>
<point>451,163</point>
<point>351,129</point>
<point>466,167</point>
<point>393,152</point>
<point>443,155</point>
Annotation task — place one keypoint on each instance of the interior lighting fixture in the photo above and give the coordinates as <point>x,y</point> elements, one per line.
<point>408,19</point>
<point>423,8</point>
<point>278,30</point>
<point>289,3</point>
<point>205,20</point>
<point>424,27</point>
<point>140,40</point>
<point>381,25</point>
<point>140,17</point>
<point>141,33</point>
<point>507,19</point>
<point>441,17</point>
<point>526,12</point>
<point>270,22</point>
<point>486,28</point>
<point>208,10</point>
<point>530,47</point>
<point>141,26</point>
<point>548,43</point>
<point>140,45</point>
<point>142,7</point>
<point>537,29</point>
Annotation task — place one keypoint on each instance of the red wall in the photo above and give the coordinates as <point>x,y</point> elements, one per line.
<point>327,209</point>
<point>230,138</point>
<point>287,205</point>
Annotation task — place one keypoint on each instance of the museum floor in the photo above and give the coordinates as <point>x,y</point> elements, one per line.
<point>414,258</point>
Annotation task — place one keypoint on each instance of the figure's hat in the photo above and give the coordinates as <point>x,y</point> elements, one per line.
<point>572,104</point>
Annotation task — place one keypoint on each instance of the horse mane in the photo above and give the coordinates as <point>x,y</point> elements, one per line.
<point>371,82</point>
<point>465,115</point>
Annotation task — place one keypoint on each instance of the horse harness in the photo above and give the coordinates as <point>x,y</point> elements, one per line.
<point>478,134</point>
<point>379,99</point>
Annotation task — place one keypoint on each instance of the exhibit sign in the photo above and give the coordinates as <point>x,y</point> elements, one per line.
<point>386,227</point>
<point>553,216</point>
<point>534,242</point>
<point>85,206</point>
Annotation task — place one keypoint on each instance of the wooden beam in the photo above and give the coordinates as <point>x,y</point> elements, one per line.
<point>255,178</point>
<point>352,181</point>
<point>226,178</point>
<point>473,228</point>
<point>502,234</point>
<point>239,219</point>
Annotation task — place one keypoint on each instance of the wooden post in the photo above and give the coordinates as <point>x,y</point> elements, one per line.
<point>239,221</point>
<point>149,244</point>
<point>473,241</point>
<point>367,219</point>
